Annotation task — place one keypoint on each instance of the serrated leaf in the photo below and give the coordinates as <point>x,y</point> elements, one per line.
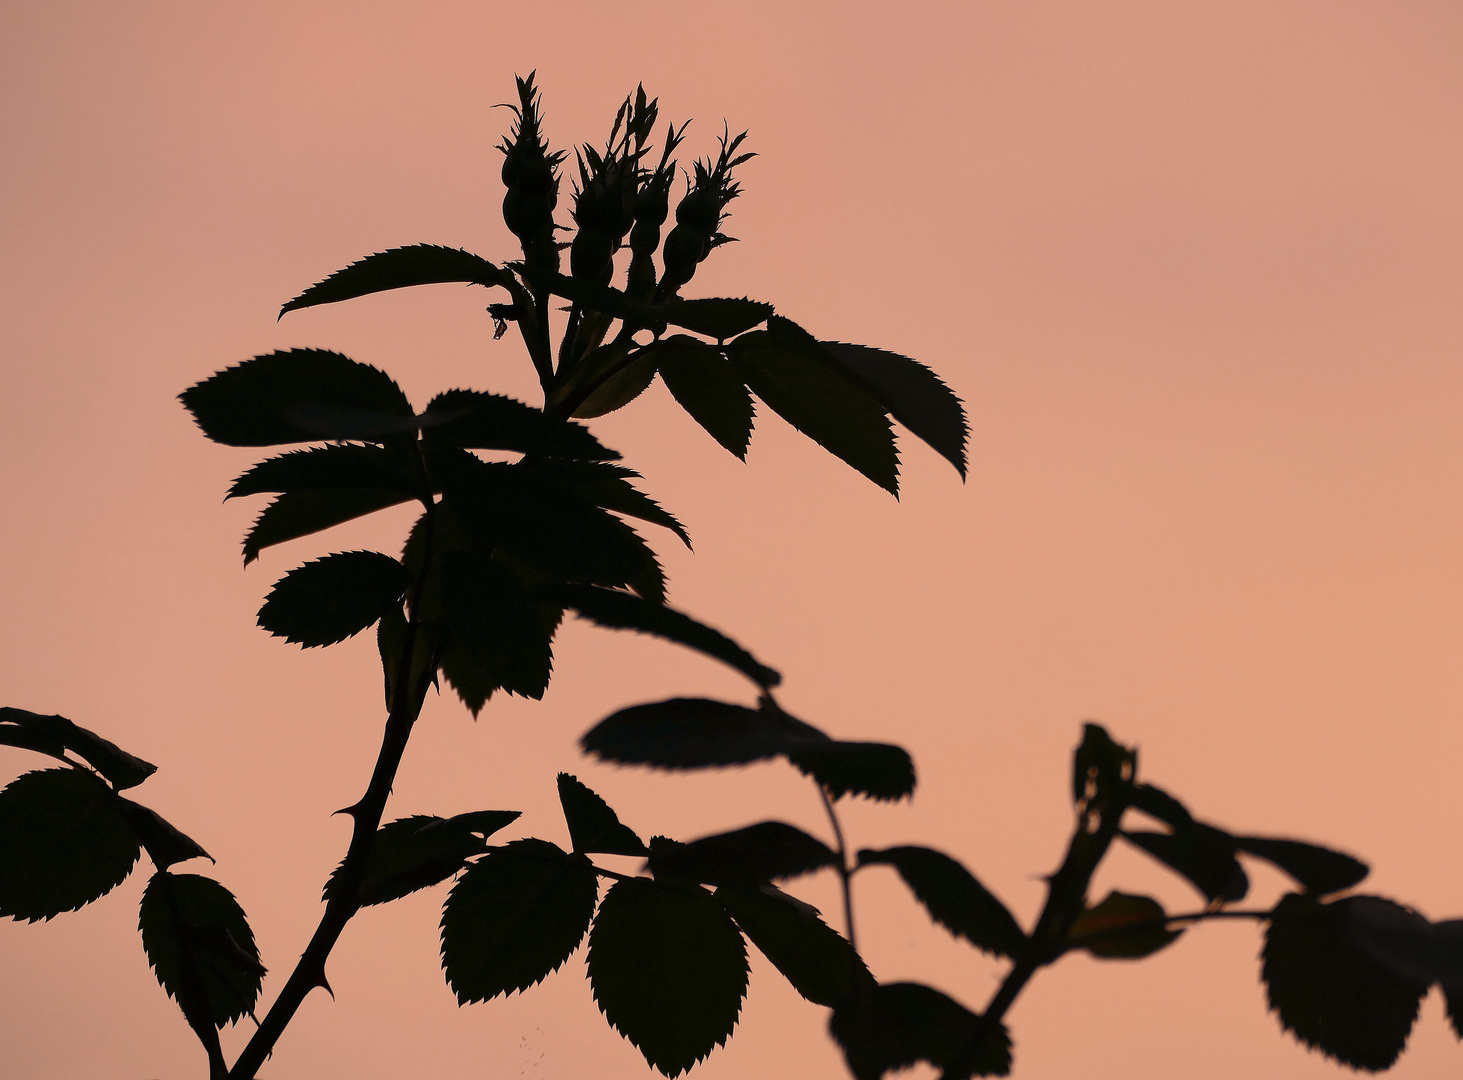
<point>514,917</point>
<point>593,826</point>
<point>54,735</point>
<point>912,393</point>
<point>63,843</point>
<point>331,599</point>
<point>819,962</point>
<point>1317,869</point>
<point>331,468</point>
<point>751,856</point>
<point>621,388</point>
<point>669,970</point>
<point>706,384</point>
<point>298,395</point>
<point>1159,804</point>
<point>696,733</point>
<point>165,844</point>
<point>717,317</point>
<point>623,611</point>
<point>300,513</point>
<point>899,1024</point>
<point>1328,992</point>
<point>953,897</point>
<point>495,635</point>
<point>1122,927</point>
<point>875,770</point>
<point>419,264</point>
<point>201,949</point>
<point>608,487</point>
<point>417,852</point>
<point>474,420</point>
<point>785,367</point>
<point>1201,853</point>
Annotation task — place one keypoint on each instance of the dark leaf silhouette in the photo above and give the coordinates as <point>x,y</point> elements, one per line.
<point>620,387</point>
<point>417,852</point>
<point>706,384</point>
<point>875,770</point>
<point>1405,943</point>
<point>331,599</point>
<point>1317,869</point>
<point>164,843</point>
<point>1328,992</point>
<point>794,375</point>
<point>420,264</point>
<point>750,856</point>
<point>1122,927</point>
<point>899,1024</point>
<point>1201,853</point>
<point>1453,1001</point>
<point>1157,803</point>
<point>199,944</point>
<point>953,897</point>
<point>608,487</point>
<point>717,317</point>
<point>496,636</point>
<point>819,962</point>
<point>54,735</point>
<point>593,826</point>
<point>333,468</point>
<point>696,733</point>
<point>912,393</point>
<point>513,917</point>
<point>299,395</point>
<point>474,420</point>
<point>300,513</point>
<point>63,843</point>
<point>669,970</point>
<point>622,611</point>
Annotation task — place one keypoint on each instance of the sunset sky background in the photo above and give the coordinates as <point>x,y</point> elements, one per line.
<point>1195,269</point>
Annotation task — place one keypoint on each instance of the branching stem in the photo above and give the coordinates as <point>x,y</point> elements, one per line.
<point>845,872</point>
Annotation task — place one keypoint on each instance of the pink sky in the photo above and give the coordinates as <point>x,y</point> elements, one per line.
<point>1195,269</point>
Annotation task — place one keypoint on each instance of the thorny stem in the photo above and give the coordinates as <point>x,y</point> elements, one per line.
<point>845,873</point>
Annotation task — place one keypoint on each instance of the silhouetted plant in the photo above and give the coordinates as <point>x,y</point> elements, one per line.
<point>503,550</point>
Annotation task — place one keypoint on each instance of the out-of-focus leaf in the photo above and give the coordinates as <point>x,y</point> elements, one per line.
<point>953,897</point>
<point>794,375</point>
<point>514,917</point>
<point>165,844</point>
<point>300,513</point>
<point>331,599</point>
<point>669,970</point>
<point>54,735</point>
<point>912,393</point>
<point>876,770</point>
<point>419,264</point>
<point>1453,1002</point>
<point>622,611</point>
<point>416,852</point>
<point>717,317</point>
<point>819,962</point>
<point>593,826</point>
<point>63,843</point>
<point>621,388</point>
<point>899,1024</point>
<point>696,733</point>
<point>1201,853</point>
<point>496,635</point>
<point>1317,869</point>
<point>1159,804</point>
<point>477,421</point>
<point>299,395</point>
<point>750,856</point>
<point>331,468</point>
<point>1328,992</point>
<point>1404,942</point>
<point>1122,927</point>
<point>1100,766</point>
<point>608,486</point>
<point>199,944</point>
<point>706,384</point>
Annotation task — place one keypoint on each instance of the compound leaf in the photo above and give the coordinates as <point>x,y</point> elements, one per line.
<point>706,384</point>
<point>669,970</point>
<point>416,852</point>
<point>953,897</point>
<point>695,733</point>
<point>419,264</point>
<point>514,917</point>
<point>331,599</point>
<point>899,1024</point>
<point>750,856</point>
<point>1122,927</point>
<point>54,735</point>
<point>875,770</point>
<point>63,843</point>
<point>819,962</point>
<point>593,826</point>
<point>1317,869</point>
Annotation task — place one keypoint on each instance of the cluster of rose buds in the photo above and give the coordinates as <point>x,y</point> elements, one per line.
<point>531,175</point>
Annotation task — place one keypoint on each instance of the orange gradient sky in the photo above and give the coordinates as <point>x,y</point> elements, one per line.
<point>1195,269</point>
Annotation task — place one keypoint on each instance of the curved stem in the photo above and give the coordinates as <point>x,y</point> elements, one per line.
<point>845,872</point>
